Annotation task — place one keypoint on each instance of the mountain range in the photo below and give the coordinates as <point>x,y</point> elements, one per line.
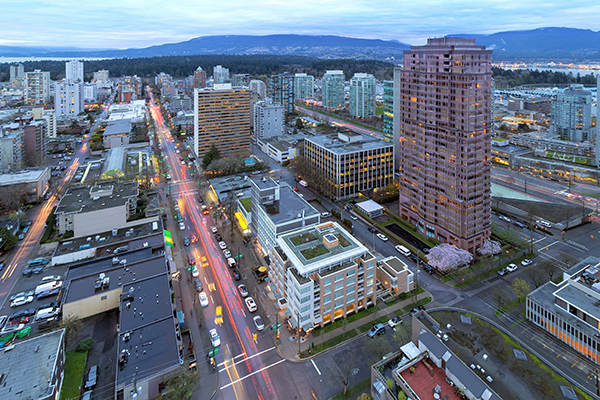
<point>543,43</point>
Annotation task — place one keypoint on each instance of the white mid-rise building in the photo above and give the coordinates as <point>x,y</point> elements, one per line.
<point>68,99</point>
<point>50,117</point>
<point>90,92</point>
<point>37,87</point>
<point>74,71</point>
<point>362,95</point>
<point>269,120</point>
<point>259,87</point>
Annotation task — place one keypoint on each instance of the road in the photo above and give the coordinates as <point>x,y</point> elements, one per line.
<point>246,368</point>
<point>339,122</point>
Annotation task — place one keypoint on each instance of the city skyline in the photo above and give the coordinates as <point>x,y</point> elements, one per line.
<point>136,24</point>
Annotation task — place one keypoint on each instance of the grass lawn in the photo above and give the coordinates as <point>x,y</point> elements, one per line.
<point>354,390</point>
<point>509,306</point>
<point>330,343</point>
<point>379,110</point>
<point>349,318</point>
<point>246,203</point>
<point>304,238</point>
<point>74,369</point>
<point>367,326</point>
<point>317,251</point>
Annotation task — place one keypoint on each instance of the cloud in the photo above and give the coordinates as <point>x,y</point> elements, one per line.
<point>136,23</point>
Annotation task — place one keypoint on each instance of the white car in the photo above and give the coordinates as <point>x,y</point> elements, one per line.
<point>19,301</point>
<point>325,215</point>
<point>250,304</point>
<point>353,217</point>
<point>258,322</point>
<point>215,340</point>
<point>227,253</point>
<point>223,245</point>
<point>382,237</point>
<point>512,267</point>
<point>243,291</point>
<point>394,321</point>
<point>50,278</point>
<point>203,299</point>
<point>213,229</point>
<point>503,218</point>
<point>181,226</point>
<point>526,262</point>
<point>195,272</point>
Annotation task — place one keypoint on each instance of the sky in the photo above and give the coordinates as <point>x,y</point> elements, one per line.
<point>135,23</point>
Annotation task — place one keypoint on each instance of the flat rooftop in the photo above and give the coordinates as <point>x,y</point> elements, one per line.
<point>27,368</point>
<point>106,195</point>
<point>118,128</point>
<point>32,175</point>
<point>337,146</point>
<point>152,349</point>
<point>225,184</point>
<point>307,252</point>
<point>151,302</point>
<point>289,207</point>
<point>395,264</point>
<point>83,286</point>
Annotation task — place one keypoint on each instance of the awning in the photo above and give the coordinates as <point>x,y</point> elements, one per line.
<point>287,313</point>
<point>307,325</point>
<point>293,322</point>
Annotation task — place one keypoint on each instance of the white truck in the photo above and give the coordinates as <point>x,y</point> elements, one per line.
<point>47,286</point>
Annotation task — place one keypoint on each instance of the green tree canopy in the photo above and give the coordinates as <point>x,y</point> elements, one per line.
<point>212,154</point>
<point>8,239</point>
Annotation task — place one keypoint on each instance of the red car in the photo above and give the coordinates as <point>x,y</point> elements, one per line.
<point>23,320</point>
<point>205,211</point>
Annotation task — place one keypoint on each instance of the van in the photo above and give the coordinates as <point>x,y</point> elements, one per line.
<point>46,313</point>
<point>231,262</point>
<point>47,286</point>
<point>38,262</point>
<point>403,250</point>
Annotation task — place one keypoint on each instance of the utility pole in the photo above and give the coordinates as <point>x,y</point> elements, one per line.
<point>298,335</point>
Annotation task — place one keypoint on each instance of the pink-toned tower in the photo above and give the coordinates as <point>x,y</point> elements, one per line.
<point>444,140</point>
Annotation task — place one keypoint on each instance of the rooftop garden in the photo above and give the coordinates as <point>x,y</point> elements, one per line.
<point>306,237</point>
<point>343,241</point>
<point>314,251</point>
<point>246,203</point>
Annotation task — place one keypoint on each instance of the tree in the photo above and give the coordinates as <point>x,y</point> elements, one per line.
<point>180,385</point>
<point>344,368</point>
<point>535,276</point>
<point>489,247</point>
<point>568,259</point>
<point>72,326</point>
<point>446,257</point>
<point>7,239</point>
<point>500,297</point>
<point>364,396</point>
<point>377,348</point>
<point>520,288</point>
<point>401,335</point>
<point>213,153</point>
<point>299,123</point>
<point>548,267</point>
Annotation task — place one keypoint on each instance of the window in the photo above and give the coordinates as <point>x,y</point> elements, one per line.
<point>339,286</point>
<point>305,309</point>
<point>327,290</point>
<point>326,299</point>
<point>327,309</point>
<point>338,304</point>
<point>305,290</point>
<point>305,299</point>
<point>350,299</point>
<point>339,277</point>
<point>350,282</point>
<point>326,282</point>
<point>370,274</point>
<point>370,282</point>
<point>351,272</point>
<point>339,295</point>
<point>350,290</point>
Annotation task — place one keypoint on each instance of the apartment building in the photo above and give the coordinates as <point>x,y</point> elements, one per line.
<point>240,80</point>
<point>324,273</point>
<point>37,87</point>
<point>569,310</point>
<point>269,120</point>
<point>259,88</point>
<point>12,152</point>
<point>362,95</point>
<point>105,206</point>
<point>345,164</point>
<point>304,86</point>
<point>572,114</point>
<point>74,71</point>
<point>277,209</point>
<point>281,91</point>
<point>220,75</point>
<point>333,90</point>
<point>388,111</point>
<point>199,78</point>
<point>68,98</point>
<point>442,130</point>
<point>222,116</point>
<point>100,76</point>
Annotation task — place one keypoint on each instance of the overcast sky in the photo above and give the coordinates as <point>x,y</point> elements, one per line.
<point>137,23</point>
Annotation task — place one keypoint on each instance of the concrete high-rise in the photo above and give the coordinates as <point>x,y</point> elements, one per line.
<point>199,78</point>
<point>74,71</point>
<point>269,120</point>
<point>37,87</point>
<point>362,95</point>
<point>333,90</point>
<point>444,140</point>
<point>220,75</point>
<point>222,116</point>
<point>68,98</point>
<point>281,90</point>
<point>240,80</point>
<point>304,86</point>
<point>17,72</point>
<point>572,114</point>
<point>388,111</point>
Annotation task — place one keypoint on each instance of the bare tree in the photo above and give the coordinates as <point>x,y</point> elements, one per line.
<point>344,368</point>
<point>500,297</point>
<point>535,276</point>
<point>72,326</point>
<point>568,259</point>
<point>548,267</point>
<point>377,348</point>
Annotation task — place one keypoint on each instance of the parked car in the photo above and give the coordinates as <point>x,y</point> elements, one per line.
<point>213,229</point>
<point>92,377</point>
<point>503,218</point>
<point>512,267</point>
<point>181,226</point>
<point>198,284</point>
<point>203,299</point>
<point>3,319</point>
<point>23,313</point>
<point>12,328</point>
<point>20,301</point>
<point>394,321</point>
<point>250,304</point>
<point>376,330</point>
<point>372,230</point>
<point>48,293</point>
<point>19,321</point>
<point>215,340</point>
<point>258,322</point>
<point>50,278</point>
<point>37,271</point>
<point>353,217</point>
<point>382,237</point>
<point>429,269</point>
<point>195,272</point>
<point>325,215</point>
<point>236,275</point>
<point>27,272</point>
<point>243,291</point>
<point>53,304</point>
<point>186,242</point>
<point>222,245</point>
<point>502,272</point>
<point>87,395</point>
<point>227,253</point>
<point>21,294</point>
<point>218,237</point>
<point>191,259</point>
<point>526,262</point>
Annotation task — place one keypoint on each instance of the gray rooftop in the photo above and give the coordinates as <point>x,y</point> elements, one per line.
<point>27,176</point>
<point>152,350</point>
<point>27,369</point>
<point>151,302</point>
<point>433,344</point>
<point>111,194</point>
<point>289,207</point>
<point>357,143</point>
<point>118,128</point>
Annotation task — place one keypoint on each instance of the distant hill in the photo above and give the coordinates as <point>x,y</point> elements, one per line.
<point>543,43</point>
<point>325,47</point>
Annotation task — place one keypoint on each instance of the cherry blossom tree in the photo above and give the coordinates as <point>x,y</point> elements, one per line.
<point>489,247</point>
<point>446,257</point>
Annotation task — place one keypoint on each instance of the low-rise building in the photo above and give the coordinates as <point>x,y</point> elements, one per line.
<point>34,368</point>
<point>278,149</point>
<point>370,208</point>
<point>324,273</point>
<point>117,134</point>
<point>394,275</point>
<point>32,182</point>
<point>86,210</point>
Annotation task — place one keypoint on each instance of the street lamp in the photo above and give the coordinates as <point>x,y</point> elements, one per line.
<point>276,327</point>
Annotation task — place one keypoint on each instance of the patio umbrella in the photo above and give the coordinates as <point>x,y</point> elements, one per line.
<point>262,269</point>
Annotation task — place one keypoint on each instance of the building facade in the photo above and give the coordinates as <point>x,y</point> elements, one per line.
<point>269,120</point>
<point>343,165</point>
<point>68,99</point>
<point>222,116</point>
<point>220,75</point>
<point>90,92</point>
<point>199,78</point>
<point>444,141</point>
<point>572,114</point>
<point>304,86</point>
<point>281,91</point>
<point>388,111</point>
<point>324,273</point>
<point>100,76</point>
<point>12,152</point>
<point>258,87</point>
<point>37,87</point>
<point>362,95</point>
<point>74,71</point>
<point>240,80</point>
<point>333,90</point>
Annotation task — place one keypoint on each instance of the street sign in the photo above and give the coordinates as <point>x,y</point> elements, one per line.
<point>276,326</point>
<point>238,256</point>
<point>213,352</point>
